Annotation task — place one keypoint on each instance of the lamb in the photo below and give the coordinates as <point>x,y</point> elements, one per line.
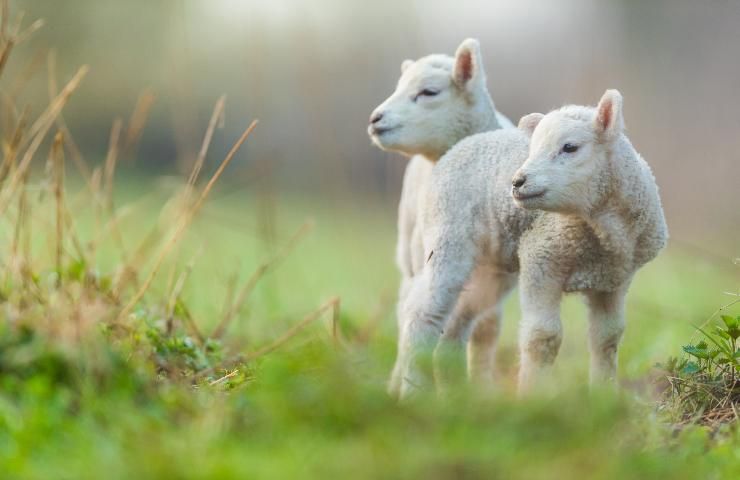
<point>566,201</point>
<point>438,101</point>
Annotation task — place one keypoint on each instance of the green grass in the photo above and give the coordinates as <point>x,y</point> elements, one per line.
<point>312,409</point>
<point>91,389</point>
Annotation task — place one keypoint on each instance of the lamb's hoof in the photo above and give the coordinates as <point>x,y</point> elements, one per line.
<point>394,387</point>
<point>412,387</point>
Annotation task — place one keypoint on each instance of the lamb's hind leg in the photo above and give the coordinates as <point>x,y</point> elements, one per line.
<point>487,326</point>
<point>394,384</point>
<point>475,299</point>
<point>606,326</point>
<point>428,306</point>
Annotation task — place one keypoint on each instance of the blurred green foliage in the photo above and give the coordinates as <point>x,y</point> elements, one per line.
<point>112,406</point>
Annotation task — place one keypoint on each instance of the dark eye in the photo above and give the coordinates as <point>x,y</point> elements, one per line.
<point>427,92</point>
<point>570,148</point>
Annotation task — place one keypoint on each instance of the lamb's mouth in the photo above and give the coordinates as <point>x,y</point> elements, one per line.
<point>518,195</point>
<point>380,131</point>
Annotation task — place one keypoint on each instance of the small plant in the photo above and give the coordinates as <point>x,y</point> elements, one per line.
<point>705,385</point>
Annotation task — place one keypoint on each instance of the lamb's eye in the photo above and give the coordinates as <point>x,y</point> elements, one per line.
<point>570,148</point>
<point>427,92</point>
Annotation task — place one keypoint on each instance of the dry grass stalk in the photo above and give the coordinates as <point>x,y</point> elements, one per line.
<point>30,30</point>
<point>83,199</point>
<point>21,262</point>
<point>23,79</point>
<point>57,157</point>
<point>180,284</point>
<point>11,151</point>
<point>379,313</point>
<point>332,304</point>
<point>110,162</point>
<point>184,200</point>
<point>336,333</point>
<point>137,121</point>
<point>128,274</point>
<point>260,272</point>
<point>230,292</point>
<point>106,230</point>
<point>218,114</point>
<point>41,127</point>
<point>8,40</point>
<point>74,150</point>
<point>4,19</point>
<point>224,378</point>
<point>185,222</point>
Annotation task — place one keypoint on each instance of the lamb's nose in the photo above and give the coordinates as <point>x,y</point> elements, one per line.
<point>376,117</point>
<point>518,180</point>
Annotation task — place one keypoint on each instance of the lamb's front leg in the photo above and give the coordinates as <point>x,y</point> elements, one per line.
<point>428,305</point>
<point>541,331</point>
<point>606,326</point>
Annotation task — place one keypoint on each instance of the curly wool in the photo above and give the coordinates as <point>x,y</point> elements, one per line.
<point>583,222</point>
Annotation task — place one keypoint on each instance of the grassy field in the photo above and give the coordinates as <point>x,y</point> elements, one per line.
<point>162,328</point>
<point>148,402</point>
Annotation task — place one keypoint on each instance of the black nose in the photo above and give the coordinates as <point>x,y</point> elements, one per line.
<point>376,117</point>
<point>518,181</point>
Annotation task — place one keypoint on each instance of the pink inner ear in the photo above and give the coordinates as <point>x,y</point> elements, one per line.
<point>465,67</point>
<point>605,114</point>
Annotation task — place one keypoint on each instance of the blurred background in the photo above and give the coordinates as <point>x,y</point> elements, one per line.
<point>312,71</point>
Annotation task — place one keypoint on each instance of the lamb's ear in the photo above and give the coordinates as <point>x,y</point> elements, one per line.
<point>529,122</point>
<point>609,122</point>
<point>468,70</point>
<point>406,64</point>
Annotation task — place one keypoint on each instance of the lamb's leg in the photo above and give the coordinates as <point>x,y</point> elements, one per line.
<point>428,306</point>
<point>486,328</point>
<point>394,384</point>
<point>475,299</point>
<point>541,331</point>
<point>449,356</point>
<point>606,325</point>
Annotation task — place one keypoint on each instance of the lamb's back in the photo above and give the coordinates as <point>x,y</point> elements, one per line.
<point>471,188</point>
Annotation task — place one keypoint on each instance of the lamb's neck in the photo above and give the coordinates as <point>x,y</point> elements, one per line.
<point>610,222</point>
<point>486,116</point>
<point>610,229</point>
<point>430,157</point>
<point>485,120</point>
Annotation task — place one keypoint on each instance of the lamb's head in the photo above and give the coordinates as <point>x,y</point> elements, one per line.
<point>569,156</point>
<point>438,101</point>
